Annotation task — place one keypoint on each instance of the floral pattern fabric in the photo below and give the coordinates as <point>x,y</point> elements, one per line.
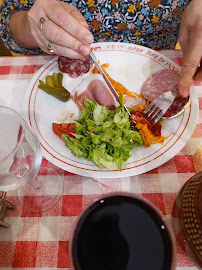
<point>151,23</point>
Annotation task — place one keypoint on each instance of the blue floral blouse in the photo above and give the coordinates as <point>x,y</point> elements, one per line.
<point>151,23</point>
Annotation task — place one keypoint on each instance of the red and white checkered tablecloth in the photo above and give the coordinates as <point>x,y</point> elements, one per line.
<point>40,241</point>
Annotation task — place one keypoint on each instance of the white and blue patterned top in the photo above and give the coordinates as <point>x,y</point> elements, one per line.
<point>150,23</point>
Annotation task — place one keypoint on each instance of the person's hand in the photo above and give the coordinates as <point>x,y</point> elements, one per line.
<point>63,25</point>
<point>190,38</point>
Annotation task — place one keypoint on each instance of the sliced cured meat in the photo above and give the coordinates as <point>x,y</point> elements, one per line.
<point>74,67</point>
<point>163,81</point>
<point>95,88</point>
<point>160,82</point>
<point>133,101</point>
<point>178,106</point>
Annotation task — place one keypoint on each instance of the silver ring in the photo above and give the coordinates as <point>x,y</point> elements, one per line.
<point>42,21</point>
<point>50,47</point>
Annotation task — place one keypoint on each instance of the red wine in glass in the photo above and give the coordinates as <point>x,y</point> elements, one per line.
<point>123,232</point>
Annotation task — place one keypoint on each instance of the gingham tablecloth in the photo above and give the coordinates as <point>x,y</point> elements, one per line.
<point>40,241</point>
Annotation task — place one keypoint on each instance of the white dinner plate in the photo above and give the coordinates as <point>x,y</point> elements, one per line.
<point>130,65</point>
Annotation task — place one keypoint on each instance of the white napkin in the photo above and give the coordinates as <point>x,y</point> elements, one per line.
<point>12,92</point>
<point>11,95</point>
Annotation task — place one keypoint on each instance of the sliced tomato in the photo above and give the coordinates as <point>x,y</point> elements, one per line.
<point>156,129</point>
<point>138,117</point>
<point>64,128</point>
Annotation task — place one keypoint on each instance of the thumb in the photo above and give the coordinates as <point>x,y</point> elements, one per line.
<point>190,64</point>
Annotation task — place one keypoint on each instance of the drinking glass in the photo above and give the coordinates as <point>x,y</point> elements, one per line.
<point>122,231</point>
<point>20,161</point>
<point>187,219</point>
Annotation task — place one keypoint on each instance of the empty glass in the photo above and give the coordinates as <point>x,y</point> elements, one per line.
<point>20,161</point>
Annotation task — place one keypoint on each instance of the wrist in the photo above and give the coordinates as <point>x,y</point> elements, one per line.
<point>20,30</point>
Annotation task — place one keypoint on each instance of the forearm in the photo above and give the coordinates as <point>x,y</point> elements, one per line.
<point>19,27</point>
<point>8,10</point>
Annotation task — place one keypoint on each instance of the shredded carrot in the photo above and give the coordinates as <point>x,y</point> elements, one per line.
<point>118,86</point>
<point>147,135</point>
<point>140,107</point>
<point>103,66</point>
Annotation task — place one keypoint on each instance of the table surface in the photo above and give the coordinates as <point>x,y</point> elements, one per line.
<point>40,240</point>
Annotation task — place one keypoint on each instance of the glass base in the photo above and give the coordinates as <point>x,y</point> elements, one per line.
<point>43,192</point>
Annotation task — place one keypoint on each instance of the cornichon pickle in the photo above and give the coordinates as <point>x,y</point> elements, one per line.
<point>53,86</point>
<point>50,81</point>
<point>41,82</point>
<point>60,77</point>
<point>59,93</point>
<point>55,80</point>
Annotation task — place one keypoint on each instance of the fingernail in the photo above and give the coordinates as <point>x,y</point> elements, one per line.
<point>85,49</point>
<point>88,39</point>
<point>185,92</point>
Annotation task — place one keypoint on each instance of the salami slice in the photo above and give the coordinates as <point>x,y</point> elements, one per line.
<point>163,81</point>
<point>74,67</point>
<point>178,105</point>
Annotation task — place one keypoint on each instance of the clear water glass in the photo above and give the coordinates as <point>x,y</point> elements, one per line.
<point>20,163</point>
<point>20,152</point>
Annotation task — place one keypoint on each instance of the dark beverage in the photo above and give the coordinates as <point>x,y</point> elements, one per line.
<point>121,232</point>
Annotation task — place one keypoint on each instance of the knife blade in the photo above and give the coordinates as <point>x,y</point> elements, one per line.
<point>115,94</point>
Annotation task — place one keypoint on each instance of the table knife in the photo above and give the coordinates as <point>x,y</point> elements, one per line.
<point>115,94</point>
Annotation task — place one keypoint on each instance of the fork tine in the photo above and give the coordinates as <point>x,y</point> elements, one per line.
<point>159,106</point>
<point>158,117</point>
<point>155,113</point>
<point>149,107</point>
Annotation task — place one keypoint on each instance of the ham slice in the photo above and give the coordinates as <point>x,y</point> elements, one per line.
<point>163,81</point>
<point>131,101</point>
<point>95,88</point>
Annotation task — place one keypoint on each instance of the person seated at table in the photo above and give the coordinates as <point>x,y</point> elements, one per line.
<point>31,27</point>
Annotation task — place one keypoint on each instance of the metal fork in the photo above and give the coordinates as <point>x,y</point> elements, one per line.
<point>156,108</point>
<point>159,106</point>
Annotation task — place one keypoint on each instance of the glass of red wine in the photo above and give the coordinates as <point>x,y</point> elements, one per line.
<point>124,232</point>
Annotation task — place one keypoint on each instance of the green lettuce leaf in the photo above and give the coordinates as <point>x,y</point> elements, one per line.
<point>103,136</point>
